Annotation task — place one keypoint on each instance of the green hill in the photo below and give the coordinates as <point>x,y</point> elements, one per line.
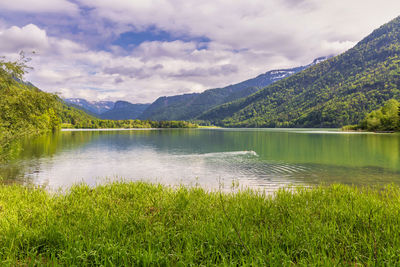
<point>334,93</point>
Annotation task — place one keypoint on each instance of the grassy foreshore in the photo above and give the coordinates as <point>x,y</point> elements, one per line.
<point>143,224</point>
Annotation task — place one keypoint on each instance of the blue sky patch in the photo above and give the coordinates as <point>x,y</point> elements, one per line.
<point>129,40</point>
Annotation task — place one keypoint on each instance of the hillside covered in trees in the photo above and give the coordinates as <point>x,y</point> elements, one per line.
<point>26,110</point>
<point>336,92</point>
<point>189,106</point>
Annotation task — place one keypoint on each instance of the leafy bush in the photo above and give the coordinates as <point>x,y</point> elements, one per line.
<point>384,119</point>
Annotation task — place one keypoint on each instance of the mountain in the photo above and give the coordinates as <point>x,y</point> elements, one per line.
<point>189,106</point>
<point>336,92</point>
<point>120,110</point>
<point>124,110</point>
<point>96,107</point>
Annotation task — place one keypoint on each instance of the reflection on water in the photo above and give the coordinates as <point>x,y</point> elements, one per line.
<point>267,158</point>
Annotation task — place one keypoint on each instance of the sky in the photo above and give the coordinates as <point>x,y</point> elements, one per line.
<point>139,50</point>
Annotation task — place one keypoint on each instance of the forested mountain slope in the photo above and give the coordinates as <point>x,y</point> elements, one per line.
<point>336,92</point>
<point>23,108</point>
<point>189,106</point>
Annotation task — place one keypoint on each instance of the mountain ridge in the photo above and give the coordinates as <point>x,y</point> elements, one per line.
<point>336,92</point>
<point>96,107</point>
<point>124,110</point>
<point>109,110</point>
<point>190,106</point>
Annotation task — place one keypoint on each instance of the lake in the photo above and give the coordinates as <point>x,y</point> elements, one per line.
<point>211,158</point>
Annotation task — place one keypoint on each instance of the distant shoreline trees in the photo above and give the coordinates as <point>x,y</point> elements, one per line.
<point>384,119</point>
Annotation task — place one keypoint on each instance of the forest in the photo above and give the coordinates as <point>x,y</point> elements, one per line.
<point>384,119</point>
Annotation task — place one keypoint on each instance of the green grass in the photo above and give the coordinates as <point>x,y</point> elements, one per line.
<point>209,127</point>
<point>143,224</point>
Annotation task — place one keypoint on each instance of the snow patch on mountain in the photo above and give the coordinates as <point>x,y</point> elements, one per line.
<point>96,107</point>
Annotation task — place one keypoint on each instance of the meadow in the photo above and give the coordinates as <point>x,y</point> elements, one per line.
<point>146,224</point>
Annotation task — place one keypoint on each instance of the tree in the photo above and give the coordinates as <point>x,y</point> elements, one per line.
<point>13,70</point>
<point>387,118</point>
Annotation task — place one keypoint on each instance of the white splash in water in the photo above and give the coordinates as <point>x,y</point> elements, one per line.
<point>223,154</point>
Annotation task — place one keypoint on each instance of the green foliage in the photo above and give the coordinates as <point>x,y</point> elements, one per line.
<point>333,93</point>
<point>76,118</point>
<point>24,110</point>
<point>108,124</point>
<point>12,70</point>
<point>354,127</point>
<point>138,224</point>
<point>386,118</point>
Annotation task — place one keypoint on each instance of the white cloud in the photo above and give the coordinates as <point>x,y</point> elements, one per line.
<point>247,38</point>
<point>335,47</point>
<point>39,6</point>
<point>293,28</point>
<point>28,38</point>
<point>140,77</point>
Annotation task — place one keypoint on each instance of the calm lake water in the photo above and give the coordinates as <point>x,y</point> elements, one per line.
<point>266,158</point>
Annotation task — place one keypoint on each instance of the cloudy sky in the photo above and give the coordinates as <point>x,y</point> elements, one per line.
<point>138,50</point>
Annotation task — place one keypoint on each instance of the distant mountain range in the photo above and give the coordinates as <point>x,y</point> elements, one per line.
<point>326,93</point>
<point>190,106</point>
<point>186,106</point>
<point>109,110</point>
<point>336,92</point>
<point>124,110</point>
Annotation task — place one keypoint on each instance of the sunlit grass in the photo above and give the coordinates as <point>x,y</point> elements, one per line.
<point>144,224</point>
